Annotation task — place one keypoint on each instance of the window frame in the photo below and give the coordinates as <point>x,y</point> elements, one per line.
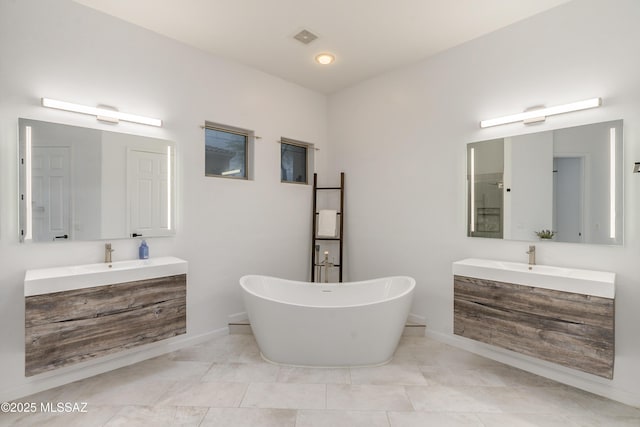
<point>308,158</point>
<point>248,149</point>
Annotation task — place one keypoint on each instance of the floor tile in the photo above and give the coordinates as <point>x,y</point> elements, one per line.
<point>235,328</point>
<point>116,390</point>
<point>554,400</point>
<point>518,378</point>
<point>388,374</point>
<point>285,396</point>
<point>200,353</point>
<point>436,419</point>
<point>333,418</point>
<point>249,417</point>
<point>524,420</point>
<point>165,369</point>
<point>226,349</point>
<point>415,351</point>
<point>216,395</point>
<point>602,421</point>
<point>598,405</point>
<point>456,358</point>
<point>225,382</point>
<point>130,416</point>
<point>414,331</point>
<point>442,375</point>
<point>367,397</point>
<point>439,398</point>
<point>241,372</point>
<point>50,395</point>
<point>289,374</point>
<point>95,416</point>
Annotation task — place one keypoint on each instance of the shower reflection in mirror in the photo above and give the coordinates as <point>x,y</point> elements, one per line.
<point>567,180</point>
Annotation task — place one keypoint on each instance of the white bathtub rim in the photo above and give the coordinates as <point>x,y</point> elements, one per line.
<point>294,365</point>
<point>409,290</point>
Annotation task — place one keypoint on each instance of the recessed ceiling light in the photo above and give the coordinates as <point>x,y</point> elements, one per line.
<point>325,58</point>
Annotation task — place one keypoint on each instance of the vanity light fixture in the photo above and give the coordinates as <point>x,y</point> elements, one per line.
<point>542,113</point>
<point>101,113</point>
<point>325,58</point>
<point>612,183</point>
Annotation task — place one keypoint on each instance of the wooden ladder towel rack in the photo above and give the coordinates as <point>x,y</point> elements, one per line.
<point>315,255</point>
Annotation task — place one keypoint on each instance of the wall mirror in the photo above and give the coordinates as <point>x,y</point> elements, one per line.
<point>88,184</point>
<point>568,181</point>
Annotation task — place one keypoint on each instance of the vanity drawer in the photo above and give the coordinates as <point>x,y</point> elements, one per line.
<point>570,329</point>
<point>63,328</point>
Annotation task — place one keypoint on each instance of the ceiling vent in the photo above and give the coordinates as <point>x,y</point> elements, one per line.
<point>305,37</point>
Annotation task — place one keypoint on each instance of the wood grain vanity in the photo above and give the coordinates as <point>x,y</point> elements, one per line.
<point>74,325</point>
<point>568,328</point>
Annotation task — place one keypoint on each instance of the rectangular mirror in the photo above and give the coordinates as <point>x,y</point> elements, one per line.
<point>568,181</point>
<point>88,184</point>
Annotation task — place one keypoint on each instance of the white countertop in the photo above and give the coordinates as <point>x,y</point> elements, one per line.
<point>48,280</point>
<point>586,282</point>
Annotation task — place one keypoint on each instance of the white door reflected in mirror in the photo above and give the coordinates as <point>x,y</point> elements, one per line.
<point>147,187</point>
<point>50,201</point>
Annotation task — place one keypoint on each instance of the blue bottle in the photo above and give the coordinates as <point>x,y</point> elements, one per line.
<point>143,251</point>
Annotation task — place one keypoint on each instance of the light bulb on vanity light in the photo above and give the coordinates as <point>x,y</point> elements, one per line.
<point>540,114</point>
<point>100,113</point>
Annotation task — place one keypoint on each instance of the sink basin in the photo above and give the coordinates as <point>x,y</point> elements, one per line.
<point>58,279</point>
<point>586,282</point>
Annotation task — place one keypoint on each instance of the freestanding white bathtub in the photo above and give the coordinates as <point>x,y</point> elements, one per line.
<point>327,325</point>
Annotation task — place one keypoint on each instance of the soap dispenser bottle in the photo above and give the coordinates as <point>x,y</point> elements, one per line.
<point>143,251</point>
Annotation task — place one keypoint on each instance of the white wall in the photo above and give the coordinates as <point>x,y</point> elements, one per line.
<point>530,201</point>
<point>226,228</point>
<point>420,119</point>
<point>87,172</point>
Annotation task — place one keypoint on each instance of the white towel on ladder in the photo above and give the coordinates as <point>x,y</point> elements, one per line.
<point>327,223</point>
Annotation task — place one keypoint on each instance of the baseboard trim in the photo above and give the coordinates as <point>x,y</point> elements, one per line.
<point>595,385</point>
<point>419,320</point>
<point>241,317</point>
<point>107,363</point>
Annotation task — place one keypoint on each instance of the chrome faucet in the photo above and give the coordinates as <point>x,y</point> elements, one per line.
<point>532,256</point>
<point>326,264</point>
<point>107,253</point>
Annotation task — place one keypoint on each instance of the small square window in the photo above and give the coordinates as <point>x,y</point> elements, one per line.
<point>226,151</point>
<point>293,161</point>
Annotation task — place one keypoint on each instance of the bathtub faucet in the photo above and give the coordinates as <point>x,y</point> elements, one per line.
<point>326,264</point>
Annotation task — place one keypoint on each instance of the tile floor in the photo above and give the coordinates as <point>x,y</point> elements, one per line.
<point>224,382</point>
